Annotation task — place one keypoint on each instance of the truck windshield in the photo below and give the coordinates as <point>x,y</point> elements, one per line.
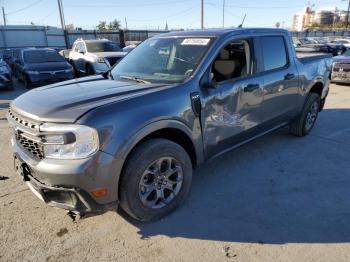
<point>94,47</point>
<point>42,56</point>
<point>167,60</point>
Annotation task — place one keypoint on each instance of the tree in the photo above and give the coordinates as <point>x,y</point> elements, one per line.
<point>277,24</point>
<point>101,26</point>
<point>114,25</point>
<point>70,26</point>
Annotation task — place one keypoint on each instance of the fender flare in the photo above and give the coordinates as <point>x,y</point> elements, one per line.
<point>152,127</point>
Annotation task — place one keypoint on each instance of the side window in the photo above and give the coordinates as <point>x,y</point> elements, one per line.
<point>82,47</point>
<point>233,61</point>
<point>78,47</point>
<point>274,52</point>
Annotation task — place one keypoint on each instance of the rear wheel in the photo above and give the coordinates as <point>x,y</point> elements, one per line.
<point>307,119</point>
<point>156,179</point>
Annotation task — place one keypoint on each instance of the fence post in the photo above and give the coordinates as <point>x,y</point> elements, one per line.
<point>46,40</point>
<point>121,38</point>
<point>4,36</point>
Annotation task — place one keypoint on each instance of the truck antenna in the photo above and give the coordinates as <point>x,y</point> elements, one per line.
<point>242,21</point>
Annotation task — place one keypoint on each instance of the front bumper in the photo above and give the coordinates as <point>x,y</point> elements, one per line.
<point>68,184</point>
<point>340,77</point>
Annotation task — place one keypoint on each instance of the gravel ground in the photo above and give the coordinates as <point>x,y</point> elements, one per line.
<point>279,198</point>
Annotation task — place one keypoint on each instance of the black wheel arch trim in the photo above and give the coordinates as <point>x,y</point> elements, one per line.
<point>158,125</point>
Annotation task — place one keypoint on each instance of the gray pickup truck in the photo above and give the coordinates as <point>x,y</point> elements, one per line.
<point>133,135</point>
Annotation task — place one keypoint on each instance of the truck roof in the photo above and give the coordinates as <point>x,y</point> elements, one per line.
<point>220,32</point>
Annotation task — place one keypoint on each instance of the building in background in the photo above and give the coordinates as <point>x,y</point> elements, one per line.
<point>326,16</point>
<point>323,17</point>
<point>303,19</point>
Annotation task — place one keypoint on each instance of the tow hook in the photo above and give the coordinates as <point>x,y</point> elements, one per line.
<point>75,215</point>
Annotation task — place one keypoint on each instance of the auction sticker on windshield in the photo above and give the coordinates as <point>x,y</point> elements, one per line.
<point>195,41</point>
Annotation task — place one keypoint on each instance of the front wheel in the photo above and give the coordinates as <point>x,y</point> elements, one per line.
<point>156,179</point>
<point>307,119</point>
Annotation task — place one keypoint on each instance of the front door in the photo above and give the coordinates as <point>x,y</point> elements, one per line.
<point>231,110</point>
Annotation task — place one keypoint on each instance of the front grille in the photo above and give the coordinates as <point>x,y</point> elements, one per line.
<point>26,132</point>
<point>113,60</point>
<point>26,123</point>
<point>33,147</point>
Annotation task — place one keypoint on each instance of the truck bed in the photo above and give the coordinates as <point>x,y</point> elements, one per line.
<point>310,57</point>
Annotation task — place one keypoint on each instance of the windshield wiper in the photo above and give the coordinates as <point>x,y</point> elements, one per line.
<point>136,79</point>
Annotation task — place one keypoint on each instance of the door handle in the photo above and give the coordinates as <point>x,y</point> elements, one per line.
<point>251,87</point>
<point>289,76</point>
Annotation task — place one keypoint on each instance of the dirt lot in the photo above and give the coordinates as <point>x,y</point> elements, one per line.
<point>279,198</point>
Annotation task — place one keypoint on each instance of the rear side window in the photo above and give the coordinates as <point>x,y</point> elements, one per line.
<point>274,52</point>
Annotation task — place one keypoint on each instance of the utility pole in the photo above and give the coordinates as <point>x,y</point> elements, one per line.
<point>347,16</point>
<point>3,15</point>
<point>60,9</point>
<point>223,14</point>
<point>63,23</point>
<point>126,23</point>
<point>202,14</point>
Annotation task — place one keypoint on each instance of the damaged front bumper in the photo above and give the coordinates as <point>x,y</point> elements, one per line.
<point>68,198</point>
<point>68,184</point>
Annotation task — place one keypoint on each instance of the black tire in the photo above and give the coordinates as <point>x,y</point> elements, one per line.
<point>306,120</point>
<point>75,70</point>
<point>90,70</point>
<point>131,189</point>
<point>27,83</point>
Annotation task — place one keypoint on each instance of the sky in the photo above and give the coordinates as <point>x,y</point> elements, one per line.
<point>154,14</point>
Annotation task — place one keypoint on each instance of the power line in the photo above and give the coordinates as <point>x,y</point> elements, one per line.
<point>24,8</point>
<point>129,5</point>
<point>271,7</point>
<point>177,14</point>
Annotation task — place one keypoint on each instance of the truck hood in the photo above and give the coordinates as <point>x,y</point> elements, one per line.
<point>67,101</point>
<point>109,54</point>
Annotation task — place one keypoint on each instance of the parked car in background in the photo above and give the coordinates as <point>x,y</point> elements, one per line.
<point>322,45</point>
<point>341,68</point>
<point>90,57</point>
<point>129,48</point>
<point>345,42</point>
<point>41,66</point>
<point>133,135</point>
<point>5,76</point>
<point>131,45</point>
<point>65,53</point>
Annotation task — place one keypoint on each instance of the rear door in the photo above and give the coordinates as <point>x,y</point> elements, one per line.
<point>281,80</point>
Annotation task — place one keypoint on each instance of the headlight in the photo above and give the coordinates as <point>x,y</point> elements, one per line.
<point>69,70</point>
<point>69,141</point>
<point>33,72</point>
<point>100,60</point>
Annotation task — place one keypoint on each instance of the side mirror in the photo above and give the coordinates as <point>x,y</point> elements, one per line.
<point>207,81</point>
<point>209,85</point>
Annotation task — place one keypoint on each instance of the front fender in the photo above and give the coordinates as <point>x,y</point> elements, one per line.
<point>150,128</point>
